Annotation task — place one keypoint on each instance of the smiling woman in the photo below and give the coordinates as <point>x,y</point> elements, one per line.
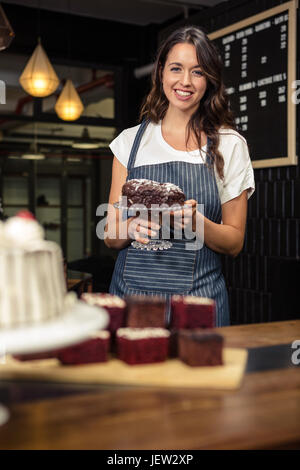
<point>187,137</point>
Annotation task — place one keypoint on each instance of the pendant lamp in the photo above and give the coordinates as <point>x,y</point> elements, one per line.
<point>69,105</point>
<point>6,31</point>
<point>39,77</point>
<point>33,153</point>
<point>86,142</point>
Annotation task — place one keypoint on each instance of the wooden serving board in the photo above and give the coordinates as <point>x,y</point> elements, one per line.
<point>172,373</point>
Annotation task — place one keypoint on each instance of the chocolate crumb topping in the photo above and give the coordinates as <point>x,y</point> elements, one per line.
<point>148,192</point>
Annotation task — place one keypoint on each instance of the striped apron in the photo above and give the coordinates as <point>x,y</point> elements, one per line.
<point>177,270</point>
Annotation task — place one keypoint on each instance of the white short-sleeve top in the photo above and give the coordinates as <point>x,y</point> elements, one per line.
<point>153,149</point>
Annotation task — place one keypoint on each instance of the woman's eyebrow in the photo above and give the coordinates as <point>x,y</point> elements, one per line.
<point>178,63</point>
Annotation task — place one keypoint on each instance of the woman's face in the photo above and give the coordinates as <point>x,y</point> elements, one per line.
<point>183,81</point>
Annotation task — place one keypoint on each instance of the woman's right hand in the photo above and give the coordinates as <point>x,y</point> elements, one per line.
<point>121,232</point>
<point>140,228</point>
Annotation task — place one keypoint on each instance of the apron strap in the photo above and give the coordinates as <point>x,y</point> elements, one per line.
<point>136,144</point>
<point>207,156</point>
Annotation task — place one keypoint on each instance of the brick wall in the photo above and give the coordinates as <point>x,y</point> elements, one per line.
<point>262,281</point>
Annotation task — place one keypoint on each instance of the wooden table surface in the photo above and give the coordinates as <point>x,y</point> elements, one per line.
<point>263,414</point>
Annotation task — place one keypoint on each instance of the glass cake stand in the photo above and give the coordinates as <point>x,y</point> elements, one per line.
<point>74,326</point>
<point>157,243</point>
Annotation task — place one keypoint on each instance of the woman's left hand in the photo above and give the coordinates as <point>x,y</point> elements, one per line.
<point>185,218</point>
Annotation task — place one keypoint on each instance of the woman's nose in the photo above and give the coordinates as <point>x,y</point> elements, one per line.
<point>186,79</point>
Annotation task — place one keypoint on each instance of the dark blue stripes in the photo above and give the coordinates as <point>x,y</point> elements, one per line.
<point>160,271</point>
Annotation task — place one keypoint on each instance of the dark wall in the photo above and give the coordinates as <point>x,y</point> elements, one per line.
<point>264,280</point>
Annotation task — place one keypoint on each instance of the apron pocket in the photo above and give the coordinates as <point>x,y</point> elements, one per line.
<point>170,271</point>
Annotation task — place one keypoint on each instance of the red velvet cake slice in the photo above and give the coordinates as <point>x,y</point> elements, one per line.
<point>192,312</point>
<point>94,349</point>
<point>146,311</point>
<point>199,348</point>
<point>36,356</point>
<point>115,306</point>
<point>142,345</point>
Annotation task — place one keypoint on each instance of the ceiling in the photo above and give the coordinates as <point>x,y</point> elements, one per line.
<point>139,12</point>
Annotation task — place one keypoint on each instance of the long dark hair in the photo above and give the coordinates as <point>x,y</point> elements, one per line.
<point>213,111</point>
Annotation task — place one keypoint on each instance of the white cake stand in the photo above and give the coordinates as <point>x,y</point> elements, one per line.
<point>74,326</point>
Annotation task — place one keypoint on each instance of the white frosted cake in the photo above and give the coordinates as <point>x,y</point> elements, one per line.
<point>32,283</point>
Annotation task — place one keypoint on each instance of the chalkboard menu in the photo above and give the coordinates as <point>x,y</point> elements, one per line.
<point>259,57</point>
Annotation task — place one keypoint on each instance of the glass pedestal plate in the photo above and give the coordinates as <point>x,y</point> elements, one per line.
<point>72,327</point>
<point>156,213</point>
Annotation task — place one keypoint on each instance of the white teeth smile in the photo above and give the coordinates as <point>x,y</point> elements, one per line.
<point>183,93</point>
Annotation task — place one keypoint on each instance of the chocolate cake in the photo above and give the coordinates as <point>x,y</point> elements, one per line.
<point>94,349</point>
<point>199,347</point>
<point>146,311</point>
<point>142,345</point>
<point>192,312</point>
<point>115,306</point>
<point>148,192</point>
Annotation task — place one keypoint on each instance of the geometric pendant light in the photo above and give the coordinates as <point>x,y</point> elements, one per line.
<point>39,77</point>
<point>69,105</point>
<point>6,31</point>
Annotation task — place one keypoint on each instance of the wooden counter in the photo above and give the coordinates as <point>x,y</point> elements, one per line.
<point>263,414</point>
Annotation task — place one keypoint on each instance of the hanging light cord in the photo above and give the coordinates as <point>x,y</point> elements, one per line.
<point>69,34</point>
<point>39,21</point>
<point>35,138</point>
